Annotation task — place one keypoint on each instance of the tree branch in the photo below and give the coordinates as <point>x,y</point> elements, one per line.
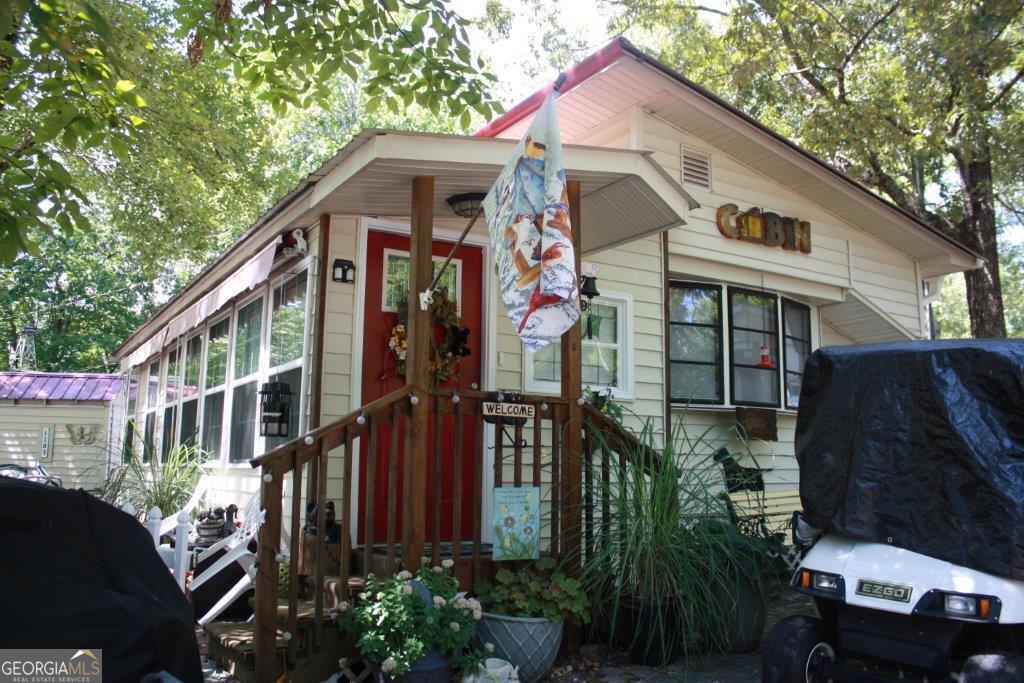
<point>1006,89</point>
<point>863,38</point>
<point>888,186</point>
<point>26,141</point>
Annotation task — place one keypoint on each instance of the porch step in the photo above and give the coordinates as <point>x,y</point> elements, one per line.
<point>333,592</point>
<point>230,644</point>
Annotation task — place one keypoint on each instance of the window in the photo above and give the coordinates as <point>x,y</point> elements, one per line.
<point>244,380</point>
<point>757,324</point>
<point>190,390</point>
<point>607,353</point>
<point>796,330</point>
<point>133,405</point>
<point>288,321</point>
<point>754,347</point>
<point>695,343</point>
<point>396,278</point>
<point>217,343</point>
<point>149,417</point>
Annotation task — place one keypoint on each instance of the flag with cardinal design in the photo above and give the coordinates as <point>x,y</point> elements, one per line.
<point>527,213</point>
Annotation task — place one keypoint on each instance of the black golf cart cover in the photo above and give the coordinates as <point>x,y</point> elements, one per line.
<point>919,445</point>
<point>78,573</point>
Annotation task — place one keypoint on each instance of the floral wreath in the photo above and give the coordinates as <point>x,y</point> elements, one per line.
<point>448,346</point>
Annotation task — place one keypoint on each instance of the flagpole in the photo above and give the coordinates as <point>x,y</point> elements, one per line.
<point>425,297</point>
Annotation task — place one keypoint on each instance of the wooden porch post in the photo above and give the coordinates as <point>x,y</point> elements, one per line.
<point>572,389</point>
<point>416,375</point>
<point>268,543</point>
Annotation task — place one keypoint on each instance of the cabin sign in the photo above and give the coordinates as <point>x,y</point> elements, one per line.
<point>767,228</point>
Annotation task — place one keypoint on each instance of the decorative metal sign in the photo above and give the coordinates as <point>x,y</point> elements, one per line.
<point>767,228</point>
<point>507,413</point>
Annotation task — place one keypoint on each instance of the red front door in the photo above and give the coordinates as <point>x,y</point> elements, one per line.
<point>389,253</point>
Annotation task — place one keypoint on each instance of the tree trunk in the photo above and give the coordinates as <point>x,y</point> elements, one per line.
<point>984,291</point>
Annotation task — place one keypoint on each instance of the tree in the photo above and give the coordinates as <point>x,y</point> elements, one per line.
<point>66,79</point>
<point>918,99</point>
<point>84,306</point>
<point>950,309</point>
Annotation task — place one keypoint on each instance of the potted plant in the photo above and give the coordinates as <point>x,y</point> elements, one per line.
<point>414,630</point>
<point>525,614</point>
<point>655,565</point>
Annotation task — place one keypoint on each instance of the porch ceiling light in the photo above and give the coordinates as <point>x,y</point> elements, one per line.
<point>275,409</point>
<point>467,204</point>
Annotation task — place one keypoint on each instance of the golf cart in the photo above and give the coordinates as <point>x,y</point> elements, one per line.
<point>912,481</point>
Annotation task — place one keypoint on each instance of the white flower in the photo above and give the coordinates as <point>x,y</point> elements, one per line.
<point>342,606</point>
<point>404,575</point>
<point>454,626</point>
<point>477,614</point>
<point>474,604</point>
<point>388,665</point>
<point>438,601</point>
<point>448,564</point>
<point>461,603</point>
<point>407,589</point>
<point>489,647</point>
<point>437,570</point>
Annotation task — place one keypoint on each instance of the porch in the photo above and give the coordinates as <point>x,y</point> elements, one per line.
<point>419,463</point>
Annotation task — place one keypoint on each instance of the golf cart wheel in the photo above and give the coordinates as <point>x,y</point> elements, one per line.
<point>797,650</point>
<point>994,667</point>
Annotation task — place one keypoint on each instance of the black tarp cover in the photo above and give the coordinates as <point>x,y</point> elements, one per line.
<point>919,445</point>
<point>78,573</point>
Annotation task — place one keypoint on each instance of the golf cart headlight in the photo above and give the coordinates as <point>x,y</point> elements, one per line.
<point>826,582</point>
<point>960,605</point>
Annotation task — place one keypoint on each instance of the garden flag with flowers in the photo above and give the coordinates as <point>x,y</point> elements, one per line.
<point>527,212</point>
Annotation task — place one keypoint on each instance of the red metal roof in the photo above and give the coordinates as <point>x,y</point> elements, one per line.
<point>59,386</point>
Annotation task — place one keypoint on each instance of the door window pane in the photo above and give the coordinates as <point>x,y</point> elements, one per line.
<point>213,423</point>
<point>217,354</point>
<point>288,320</point>
<point>247,338</point>
<point>396,279</point>
<point>243,422</point>
<point>695,343</point>
<point>293,378</point>
<point>753,317</point>
<point>193,365</point>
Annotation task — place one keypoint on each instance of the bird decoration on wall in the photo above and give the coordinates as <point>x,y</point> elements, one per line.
<point>82,434</point>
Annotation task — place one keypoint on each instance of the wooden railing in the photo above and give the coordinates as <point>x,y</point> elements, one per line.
<point>530,454</point>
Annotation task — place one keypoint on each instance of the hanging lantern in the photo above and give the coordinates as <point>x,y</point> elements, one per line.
<point>766,358</point>
<point>467,204</point>
<point>588,290</point>
<point>275,409</point>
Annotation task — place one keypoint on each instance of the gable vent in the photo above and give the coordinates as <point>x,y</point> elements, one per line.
<point>697,168</point>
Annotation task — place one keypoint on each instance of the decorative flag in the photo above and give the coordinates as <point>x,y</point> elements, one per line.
<point>527,212</point>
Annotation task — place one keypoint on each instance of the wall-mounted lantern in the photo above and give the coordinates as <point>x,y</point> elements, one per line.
<point>275,409</point>
<point>343,271</point>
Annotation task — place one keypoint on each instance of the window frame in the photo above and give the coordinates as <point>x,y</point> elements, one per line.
<point>219,388</point>
<point>721,289</point>
<point>388,252</point>
<point>232,382</point>
<point>625,391</point>
<point>785,337</point>
<point>300,362</point>
<point>778,346</point>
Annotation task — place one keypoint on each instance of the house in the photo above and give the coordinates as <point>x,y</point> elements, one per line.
<point>70,423</point>
<point>725,255</point>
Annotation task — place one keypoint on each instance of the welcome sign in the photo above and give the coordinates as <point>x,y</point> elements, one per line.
<point>767,228</point>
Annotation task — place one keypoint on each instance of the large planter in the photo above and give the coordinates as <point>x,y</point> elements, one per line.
<point>529,643</point>
<point>745,610</point>
<point>649,630</point>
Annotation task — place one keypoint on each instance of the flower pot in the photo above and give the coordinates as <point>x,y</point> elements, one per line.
<point>432,668</point>
<point>650,631</point>
<point>529,643</point>
<point>745,609</point>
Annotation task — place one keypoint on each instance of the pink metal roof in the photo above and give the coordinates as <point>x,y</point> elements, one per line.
<point>59,386</point>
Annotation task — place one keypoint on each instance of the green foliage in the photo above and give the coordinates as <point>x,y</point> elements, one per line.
<point>670,544</point>
<point>546,592</point>
<point>602,400</point>
<point>100,90</point>
<point>83,305</point>
<point>950,309</point>
<point>146,481</point>
<point>395,627</point>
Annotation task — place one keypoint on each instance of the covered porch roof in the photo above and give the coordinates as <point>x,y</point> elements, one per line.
<point>862,321</point>
<point>625,196</point>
